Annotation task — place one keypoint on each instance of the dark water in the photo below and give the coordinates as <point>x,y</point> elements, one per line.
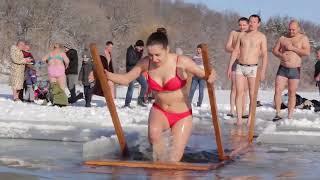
<point>34,159</point>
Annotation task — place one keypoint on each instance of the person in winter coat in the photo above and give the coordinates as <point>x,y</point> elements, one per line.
<point>17,68</point>
<point>72,72</point>
<point>85,70</point>
<point>106,61</point>
<point>134,54</point>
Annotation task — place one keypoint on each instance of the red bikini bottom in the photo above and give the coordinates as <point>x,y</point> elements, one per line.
<point>173,118</point>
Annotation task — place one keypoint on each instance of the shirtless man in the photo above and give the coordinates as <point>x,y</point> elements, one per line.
<point>289,49</point>
<point>243,23</point>
<point>251,45</point>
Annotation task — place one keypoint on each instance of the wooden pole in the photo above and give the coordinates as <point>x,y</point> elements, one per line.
<point>99,71</point>
<point>253,106</point>
<point>157,165</point>
<point>213,103</point>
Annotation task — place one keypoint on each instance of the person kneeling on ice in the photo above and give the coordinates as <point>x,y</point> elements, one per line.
<point>41,90</point>
<point>166,76</point>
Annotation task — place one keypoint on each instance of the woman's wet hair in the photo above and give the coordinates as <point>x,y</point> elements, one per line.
<point>162,29</point>
<point>158,38</point>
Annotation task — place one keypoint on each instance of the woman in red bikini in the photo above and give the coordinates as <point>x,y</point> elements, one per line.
<point>166,76</point>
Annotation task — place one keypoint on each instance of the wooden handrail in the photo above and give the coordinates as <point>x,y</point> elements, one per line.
<point>213,103</point>
<point>253,106</point>
<point>101,76</point>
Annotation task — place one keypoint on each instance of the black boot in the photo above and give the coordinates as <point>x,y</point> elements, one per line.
<point>141,103</point>
<point>72,99</point>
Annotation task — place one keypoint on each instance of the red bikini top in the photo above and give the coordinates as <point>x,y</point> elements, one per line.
<point>172,84</point>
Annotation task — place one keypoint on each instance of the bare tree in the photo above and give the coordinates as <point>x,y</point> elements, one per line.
<point>79,22</point>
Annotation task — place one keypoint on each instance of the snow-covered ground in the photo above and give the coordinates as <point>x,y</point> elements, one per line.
<point>91,129</point>
<point>78,123</point>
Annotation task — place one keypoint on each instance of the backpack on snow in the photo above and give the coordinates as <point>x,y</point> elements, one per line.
<point>57,95</point>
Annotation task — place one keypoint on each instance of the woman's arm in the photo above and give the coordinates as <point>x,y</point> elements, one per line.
<point>45,58</point>
<point>191,67</point>
<point>126,78</point>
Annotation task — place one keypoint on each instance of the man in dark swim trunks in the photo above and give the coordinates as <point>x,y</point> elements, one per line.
<point>289,49</point>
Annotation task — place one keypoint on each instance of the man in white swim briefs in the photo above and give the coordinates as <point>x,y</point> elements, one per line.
<point>252,45</point>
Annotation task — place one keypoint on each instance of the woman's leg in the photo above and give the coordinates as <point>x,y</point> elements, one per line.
<point>181,132</point>
<point>62,82</point>
<point>52,80</point>
<point>157,125</point>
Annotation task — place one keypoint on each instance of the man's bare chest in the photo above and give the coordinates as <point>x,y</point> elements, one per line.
<point>296,42</point>
<point>250,41</point>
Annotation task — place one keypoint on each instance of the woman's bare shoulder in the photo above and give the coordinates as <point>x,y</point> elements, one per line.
<point>144,60</point>
<point>184,59</point>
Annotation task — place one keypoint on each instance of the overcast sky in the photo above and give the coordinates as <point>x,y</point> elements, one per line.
<point>299,9</point>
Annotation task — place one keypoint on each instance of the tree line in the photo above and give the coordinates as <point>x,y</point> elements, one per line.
<point>80,22</point>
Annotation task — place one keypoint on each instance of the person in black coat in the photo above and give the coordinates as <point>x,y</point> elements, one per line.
<point>86,68</point>
<point>134,54</point>
<point>106,61</point>
<point>72,72</point>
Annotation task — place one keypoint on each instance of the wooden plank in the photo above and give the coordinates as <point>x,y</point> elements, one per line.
<point>242,147</point>
<point>253,106</point>
<point>213,104</point>
<point>99,71</point>
<point>238,150</point>
<point>156,165</point>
